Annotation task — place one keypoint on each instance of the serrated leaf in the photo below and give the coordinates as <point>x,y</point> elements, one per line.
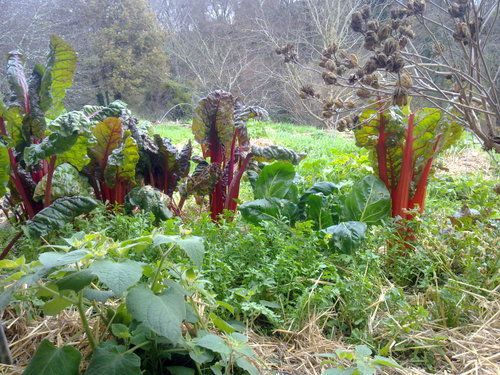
<point>75,281</point>
<point>50,360</point>
<point>214,343</point>
<point>58,214</point>
<point>193,246</point>
<point>53,259</point>
<point>117,276</point>
<point>161,313</point>
<point>111,359</point>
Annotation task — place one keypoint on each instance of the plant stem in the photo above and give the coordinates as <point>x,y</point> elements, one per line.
<point>158,270</point>
<point>85,322</point>
<point>48,186</point>
<point>10,245</point>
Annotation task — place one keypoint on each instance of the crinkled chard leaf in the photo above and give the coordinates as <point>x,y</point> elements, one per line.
<point>271,209</point>
<point>66,182</point>
<point>274,181</point>
<point>148,199</point>
<point>270,153</point>
<point>58,214</point>
<point>347,236</point>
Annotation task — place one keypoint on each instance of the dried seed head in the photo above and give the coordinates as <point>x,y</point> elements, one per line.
<point>327,114</point>
<point>331,66</point>
<point>365,12</point>
<point>371,40</point>
<point>370,66</point>
<point>462,32</point>
<point>330,78</point>
<point>398,13</point>
<point>363,93</point>
<point>381,60</point>
<point>371,80</point>
<point>339,103</point>
<point>457,10</point>
<point>403,41</point>
<point>357,22</point>
<point>349,104</point>
<point>406,31</point>
<point>308,90</point>
<point>372,25</point>
<point>329,51</point>
<point>390,46</point>
<point>328,104</point>
<point>323,62</point>
<point>405,80</point>
<point>438,48</point>
<point>384,32</point>
<point>342,125</point>
<point>353,61</point>
<point>400,97</point>
<point>395,63</point>
<point>418,6</point>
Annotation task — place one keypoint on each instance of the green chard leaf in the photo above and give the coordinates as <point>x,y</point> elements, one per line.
<point>272,209</point>
<point>148,199</point>
<point>347,236</point>
<point>66,182</point>
<point>274,181</point>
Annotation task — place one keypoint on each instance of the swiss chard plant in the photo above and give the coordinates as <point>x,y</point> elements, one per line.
<point>31,150</point>
<point>137,316</point>
<point>343,217</point>
<point>403,147</point>
<point>219,126</point>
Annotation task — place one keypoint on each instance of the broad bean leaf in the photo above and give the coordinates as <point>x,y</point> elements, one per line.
<point>214,343</point>
<point>58,77</point>
<point>52,259</point>
<point>117,276</point>
<point>274,181</point>
<point>163,314</point>
<point>75,281</point>
<point>58,214</point>
<point>369,201</point>
<point>112,359</point>
<point>347,236</point>
<point>50,360</point>
<point>261,210</point>
<point>66,182</point>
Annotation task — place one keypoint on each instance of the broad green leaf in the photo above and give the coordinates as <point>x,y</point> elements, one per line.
<point>369,201</point>
<point>75,281</point>
<point>180,370</point>
<point>385,362</point>
<point>122,162</point>
<point>66,182</point>
<point>214,343</point>
<point>50,360</point>
<point>97,295</point>
<point>25,281</point>
<point>316,208</point>
<point>274,181</point>
<point>120,330</point>
<point>268,209</point>
<point>8,263</point>
<point>163,314</point>
<point>202,181</point>
<point>193,246</point>
<point>148,199</point>
<point>111,359</point>
<point>221,324</point>
<point>58,76</point>
<point>4,169</point>
<point>363,351</point>
<point>58,214</point>
<point>213,122</point>
<point>117,276</point>
<point>246,365</point>
<point>64,132</point>
<point>55,306</point>
<point>346,236</point>
<point>53,259</point>
<point>271,153</point>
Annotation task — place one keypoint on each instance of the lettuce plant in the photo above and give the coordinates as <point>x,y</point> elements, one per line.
<point>219,126</point>
<point>403,147</point>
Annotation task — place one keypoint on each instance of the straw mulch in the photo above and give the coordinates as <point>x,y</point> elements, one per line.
<point>471,349</point>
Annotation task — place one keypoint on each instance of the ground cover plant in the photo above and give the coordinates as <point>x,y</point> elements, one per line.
<point>231,244</point>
